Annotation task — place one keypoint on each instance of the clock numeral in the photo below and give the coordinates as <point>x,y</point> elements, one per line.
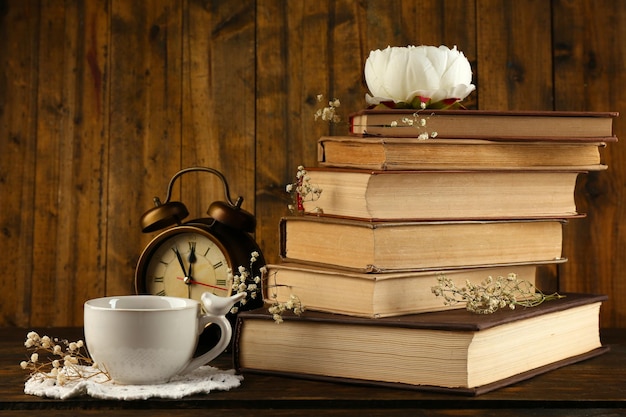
<point>221,282</point>
<point>157,279</point>
<point>207,251</point>
<point>218,265</point>
<point>161,293</point>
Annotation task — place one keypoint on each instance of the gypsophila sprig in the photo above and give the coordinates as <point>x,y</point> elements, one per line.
<point>419,122</point>
<point>302,190</point>
<point>491,294</point>
<point>59,359</point>
<point>244,282</point>
<point>328,113</point>
<point>276,309</point>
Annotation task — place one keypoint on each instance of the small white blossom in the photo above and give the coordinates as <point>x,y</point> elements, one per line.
<point>61,378</point>
<point>302,190</point>
<point>45,342</point>
<point>492,294</point>
<point>329,113</point>
<point>61,369</point>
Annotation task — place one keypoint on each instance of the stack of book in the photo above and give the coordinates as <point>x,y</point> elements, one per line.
<point>487,196</point>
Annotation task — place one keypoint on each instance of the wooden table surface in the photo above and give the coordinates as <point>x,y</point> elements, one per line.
<point>596,387</point>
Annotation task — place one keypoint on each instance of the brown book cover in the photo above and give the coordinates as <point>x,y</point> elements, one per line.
<point>483,124</point>
<point>388,153</point>
<point>440,195</point>
<point>531,340</point>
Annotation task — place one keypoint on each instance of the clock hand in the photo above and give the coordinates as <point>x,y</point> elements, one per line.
<point>180,261</point>
<point>192,257</point>
<point>189,281</point>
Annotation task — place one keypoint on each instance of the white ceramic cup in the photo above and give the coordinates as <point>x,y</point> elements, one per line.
<point>148,339</point>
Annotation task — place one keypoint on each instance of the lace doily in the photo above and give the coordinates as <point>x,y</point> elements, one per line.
<point>201,381</point>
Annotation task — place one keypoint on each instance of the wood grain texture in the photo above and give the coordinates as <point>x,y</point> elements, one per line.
<point>101,102</point>
<point>590,388</point>
<point>589,73</point>
<point>145,147</point>
<point>218,102</point>
<point>18,137</point>
<point>514,55</point>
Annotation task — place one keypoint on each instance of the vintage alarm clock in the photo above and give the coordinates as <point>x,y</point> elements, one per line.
<point>188,259</point>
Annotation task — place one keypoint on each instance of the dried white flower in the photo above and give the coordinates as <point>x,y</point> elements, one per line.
<point>62,369</point>
<point>245,283</point>
<point>302,190</point>
<point>329,113</point>
<point>492,294</point>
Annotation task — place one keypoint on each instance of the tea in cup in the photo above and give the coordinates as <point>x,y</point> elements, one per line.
<point>148,339</point>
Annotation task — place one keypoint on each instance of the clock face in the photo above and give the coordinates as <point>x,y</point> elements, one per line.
<point>184,262</point>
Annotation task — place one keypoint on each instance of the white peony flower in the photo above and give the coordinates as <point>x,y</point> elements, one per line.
<point>427,74</point>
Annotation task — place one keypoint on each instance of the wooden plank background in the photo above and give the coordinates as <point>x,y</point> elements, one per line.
<point>102,101</point>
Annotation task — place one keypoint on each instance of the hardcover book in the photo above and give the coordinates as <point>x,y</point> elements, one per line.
<point>375,295</point>
<point>483,124</point>
<point>388,153</point>
<point>436,195</point>
<point>453,350</point>
<point>406,246</point>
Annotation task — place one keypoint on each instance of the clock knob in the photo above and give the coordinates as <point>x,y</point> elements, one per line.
<point>163,215</point>
<point>232,216</point>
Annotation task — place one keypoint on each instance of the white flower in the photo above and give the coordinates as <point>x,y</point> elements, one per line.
<point>400,74</point>
<point>46,342</point>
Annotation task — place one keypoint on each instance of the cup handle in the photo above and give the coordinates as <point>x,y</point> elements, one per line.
<point>217,308</point>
